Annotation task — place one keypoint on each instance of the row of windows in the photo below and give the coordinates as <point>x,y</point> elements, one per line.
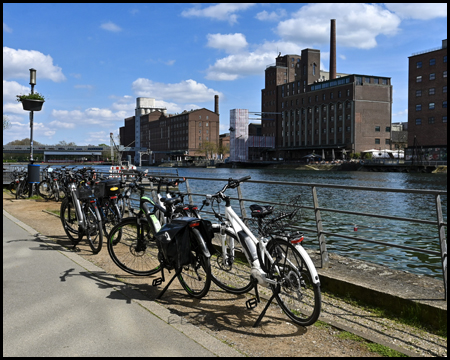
<point>431,120</point>
<point>431,106</point>
<point>324,107</point>
<point>324,95</point>
<point>324,119</point>
<point>369,80</point>
<point>432,76</point>
<point>431,62</point>
<point>431,91</point>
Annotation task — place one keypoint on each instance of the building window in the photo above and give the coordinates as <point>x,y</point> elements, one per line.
<point>419,78</point>
<point>367,80</point>
<point>418,93</point>
<point>348,129</point>
<point>431,120</point>
<point>358,80</point>
<point>377,128</point>
<point>418,121</point>
<point>432,62</point>
<point>431,106</point>
<point>339,94</point>
<point>444,104</point>
<point>377,141</point>
<point>388,129</point>
<point>444,74</point>
<point>432,76</point>
<point>387,141</point>
<point>375,80</point>
<point>445,58</point>
<point>418,107</point>
<point>331,95</point>
<point>418,64</point>
<point>431,91</point>
<point>384,81</point>
<point>444,119</point>
<point>444,89</point>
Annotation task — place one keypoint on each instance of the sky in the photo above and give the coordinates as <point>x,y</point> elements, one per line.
<point>93,60</point>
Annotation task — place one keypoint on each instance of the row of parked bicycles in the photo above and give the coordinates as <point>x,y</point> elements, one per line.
<point>158,230</point>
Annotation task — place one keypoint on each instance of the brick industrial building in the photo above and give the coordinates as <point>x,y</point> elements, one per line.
<point>309,110</point>
<point>170,137</point>
<point>427,103</point>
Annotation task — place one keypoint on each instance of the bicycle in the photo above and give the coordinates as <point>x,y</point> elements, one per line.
<point>276,261</point>
<point>79,214</point>
<point>139,253</point>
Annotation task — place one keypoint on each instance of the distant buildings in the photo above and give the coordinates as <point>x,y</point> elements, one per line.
<point>308,110</point>
<point>427,104</point>
<point>183,136</point>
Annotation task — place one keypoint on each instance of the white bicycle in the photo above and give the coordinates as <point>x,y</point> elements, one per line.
<point>277,261</point>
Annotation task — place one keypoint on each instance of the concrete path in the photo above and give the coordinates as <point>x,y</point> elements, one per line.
<point>55,303</point>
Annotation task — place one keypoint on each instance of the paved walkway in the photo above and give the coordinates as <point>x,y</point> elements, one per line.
<point>54,306</point>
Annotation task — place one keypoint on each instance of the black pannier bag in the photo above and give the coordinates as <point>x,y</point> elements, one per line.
<point>207,232</point>
<point>107,188</point>
<point>173,241</point>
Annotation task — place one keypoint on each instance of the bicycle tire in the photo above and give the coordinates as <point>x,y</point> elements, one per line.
<point>45,190</point>
<point>21,190</point>
<point>69,220</point>
<point>12,187</point>
<point>195,278</point>
<point>233,277</point>
<point>110,217</point>
<point>136,252</point>
<point>297,295</point>
<point>55,190</point>
<point>94,231</point>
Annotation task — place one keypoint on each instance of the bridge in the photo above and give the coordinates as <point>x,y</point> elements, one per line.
<point>93,152</point>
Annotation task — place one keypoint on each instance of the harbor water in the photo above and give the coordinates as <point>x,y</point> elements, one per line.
<point>406,205</point>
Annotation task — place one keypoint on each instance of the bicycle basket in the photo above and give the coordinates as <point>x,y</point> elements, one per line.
<point>281,221</point>
<point>107,188</point>
<point>84,192</point>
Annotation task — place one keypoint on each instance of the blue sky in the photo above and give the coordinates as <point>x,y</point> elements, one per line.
<point>94,60</point>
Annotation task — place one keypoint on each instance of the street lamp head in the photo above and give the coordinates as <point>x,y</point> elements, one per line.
<point>32,76</point>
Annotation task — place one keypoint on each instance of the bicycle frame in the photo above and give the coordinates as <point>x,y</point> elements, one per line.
<point>251,245</point>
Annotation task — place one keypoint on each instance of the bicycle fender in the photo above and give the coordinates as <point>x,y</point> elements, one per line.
<point>201,243</point>
<point>309,263</point>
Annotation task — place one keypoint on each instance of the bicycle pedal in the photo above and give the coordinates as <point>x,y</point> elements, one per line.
<point>157,282</point>
<point>251,303</point>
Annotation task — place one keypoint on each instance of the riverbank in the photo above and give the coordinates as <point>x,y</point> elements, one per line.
<point>225,316</point>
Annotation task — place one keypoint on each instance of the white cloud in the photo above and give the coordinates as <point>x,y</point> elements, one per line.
<point>110,26</point>
<point>13,88</point>
<point>88,117</point>
<point>89,87</point>
<point>357,24</point>
<point>6,28</point>
<point>183,92</point>
<point>424,11</point>
<point>231,43</point>
<point>224,11</point>
<point>272,16</point>
<point>17,64</point>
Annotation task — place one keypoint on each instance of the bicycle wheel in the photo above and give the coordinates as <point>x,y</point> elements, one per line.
<point>22,190</point>
<point>45,189</point>
<point>110,217</point>
<point>232,275</point>
<point>94,231</point>
<point>69,220</point>
<point>136,252</point>
<point>195,278</point>
<point>12,187</point>
<point>55,191</point>
<point>297,295</point>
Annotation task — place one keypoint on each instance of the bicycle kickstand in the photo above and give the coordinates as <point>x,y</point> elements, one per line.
<point>159,281</point>
<point>277,290</point>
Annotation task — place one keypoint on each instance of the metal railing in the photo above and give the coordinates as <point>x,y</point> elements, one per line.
<point>320,229</point>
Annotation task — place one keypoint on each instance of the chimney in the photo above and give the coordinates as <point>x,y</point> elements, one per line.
<point>333,49</point>
<point>216,104</point>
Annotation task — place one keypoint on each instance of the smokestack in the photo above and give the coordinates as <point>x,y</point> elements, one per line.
<point>333,49</point>
<point>216,104</point>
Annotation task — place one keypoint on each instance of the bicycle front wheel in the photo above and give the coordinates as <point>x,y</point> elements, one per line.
<point>195,278</point>
<point>133,247</point>
<point>230,269</point>
<point>296,293</point>
<point>94,231</point>
<point>45,189</point>
<point>69,219</point>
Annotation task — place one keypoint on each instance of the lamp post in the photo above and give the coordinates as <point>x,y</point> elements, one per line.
<point>33,170</point>
<point>32,83</point>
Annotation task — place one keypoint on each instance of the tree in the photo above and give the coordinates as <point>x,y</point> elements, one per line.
<point>63,143</point>
<point>25,141</point>
<point>223,150</point>
<point>209,149</point>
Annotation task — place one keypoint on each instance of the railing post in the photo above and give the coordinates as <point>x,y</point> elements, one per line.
<point>442,241</point>
<point>320,236</point>
<point>188,189</point>
<point>241,203</point>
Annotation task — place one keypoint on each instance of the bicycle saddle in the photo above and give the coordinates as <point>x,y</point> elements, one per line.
<point>261,211</point>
